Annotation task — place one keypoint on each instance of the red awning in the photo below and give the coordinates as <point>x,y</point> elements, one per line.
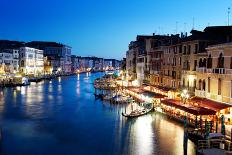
<point>210,104</point>
<point>188,108</point>
<point>152,94</point>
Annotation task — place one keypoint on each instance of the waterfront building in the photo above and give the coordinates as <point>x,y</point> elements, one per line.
<point>123,64</point>
<point>109,64</point>
<point>214,79</point>
<point>31,61</point>
<point>142,67</point>
<point>131,60</point>
<point>58,55</point>
<point>194,52</point>
<point>98,64</point>
<point>6,61</point>
<point>75,63</point>
<point>9,60</point>
<point>15,53</point>
<point>171,67</point>
<point>86,64</point>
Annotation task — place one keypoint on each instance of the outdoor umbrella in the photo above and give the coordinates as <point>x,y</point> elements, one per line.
<point>222,125</point>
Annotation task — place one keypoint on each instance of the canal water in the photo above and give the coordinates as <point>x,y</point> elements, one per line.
<point>62,117</point>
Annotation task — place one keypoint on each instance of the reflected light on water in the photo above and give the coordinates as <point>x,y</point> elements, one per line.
<point>59,79</point>
<point>141,136</point>
<point>23,90</point>
<point>78,76</point>
<point>59,89</point>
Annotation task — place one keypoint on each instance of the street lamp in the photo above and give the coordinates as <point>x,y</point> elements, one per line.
<point>184,95</point>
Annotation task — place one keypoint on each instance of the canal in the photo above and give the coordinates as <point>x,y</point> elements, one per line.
<point>61,116</point>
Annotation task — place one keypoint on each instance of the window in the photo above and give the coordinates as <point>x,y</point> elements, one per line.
<point>195,84</point>
<point>208,85</point>
<point>199,85</point>
<point>209,62</point>
<point>195,65</point>
<point>200,63</point>
<point>189,49</point>
<point>221,61</point>
<point>230,62</point>
<point>219,86</point>
<point>180,61</point>
<point>196,49</point>
<point>184,49</point>
<point>203,85</point>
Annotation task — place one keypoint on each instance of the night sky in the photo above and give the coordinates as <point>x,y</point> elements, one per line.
<point>105,27</point>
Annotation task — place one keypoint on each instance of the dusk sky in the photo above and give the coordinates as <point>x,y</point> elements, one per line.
<point>104,28</point>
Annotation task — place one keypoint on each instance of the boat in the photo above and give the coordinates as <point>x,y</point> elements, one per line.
<point>137,113</point>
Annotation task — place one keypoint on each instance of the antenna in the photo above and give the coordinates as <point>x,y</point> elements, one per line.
<point>184,27</point>
<point>193,22</point>
<point>176,27</point>
<point>228,11</point>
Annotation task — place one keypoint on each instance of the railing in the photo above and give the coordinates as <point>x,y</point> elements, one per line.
<point>154,72</point>
<point>200,93</point>
<point>201,69</point>
<point>220,144</point>
<point>219,70</point>
<point>214,70</point>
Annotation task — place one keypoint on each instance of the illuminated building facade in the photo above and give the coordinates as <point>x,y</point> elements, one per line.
<point>31,61</point>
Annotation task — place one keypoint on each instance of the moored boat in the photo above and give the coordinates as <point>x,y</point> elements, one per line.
<point>137,113</point>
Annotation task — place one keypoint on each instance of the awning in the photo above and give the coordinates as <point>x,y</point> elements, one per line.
<point>153,94</point>
<point>188,108</point>
<point>164,89</point>
<point>210,104</point>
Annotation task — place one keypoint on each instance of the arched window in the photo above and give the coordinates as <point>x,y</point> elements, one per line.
<point>209,62</point>
<point>221,61</point>
<point>200,63</point>
<point>203,85</point>
<point>195,84</point>
<point>199,85</point>
<point>230,62</point>
<point>22,63</point>
<point>204,63</point>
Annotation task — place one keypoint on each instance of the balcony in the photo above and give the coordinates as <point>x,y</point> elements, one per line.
<point>154,72</point>
<point>214,97</point>
<point>201,69</point>
<point>200,93</point>
<point>219,70</point>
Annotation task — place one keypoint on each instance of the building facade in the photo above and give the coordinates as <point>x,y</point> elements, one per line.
<point>31,61</point>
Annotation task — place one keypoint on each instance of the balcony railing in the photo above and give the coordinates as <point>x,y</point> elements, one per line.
<point>154,72</point>
<point>219,70</point>
<point>200,93</point>
<point>201,69</point>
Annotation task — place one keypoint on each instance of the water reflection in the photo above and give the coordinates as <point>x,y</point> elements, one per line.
<point>141,136</point>
<point>62,116</point>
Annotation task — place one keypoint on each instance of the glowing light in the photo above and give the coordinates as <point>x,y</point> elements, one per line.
<point>185,91</point>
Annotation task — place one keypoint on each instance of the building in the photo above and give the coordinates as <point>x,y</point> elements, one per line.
<point>31,61</point>
<point>6,62</point>
<point>58,56</point>
<point>194,51</point>
<point>214,80</point>
<point>98,64</point>
<point>131,60</point>
<point>86,64</point>
<point>75,63</point>
<point>123,64</point>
